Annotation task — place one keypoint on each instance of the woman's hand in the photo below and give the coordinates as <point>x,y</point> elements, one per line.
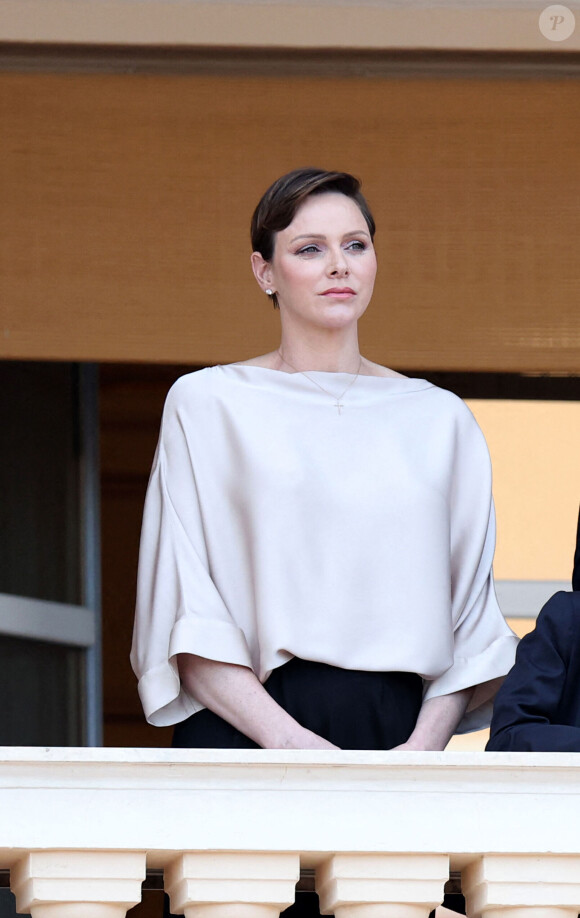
<point>310,740</point>
<point>437,722</point>
<point>237,695</point>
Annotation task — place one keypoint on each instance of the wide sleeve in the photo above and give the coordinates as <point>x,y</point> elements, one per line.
<point>178,609</point>
<point>483,644</point>
<point>527,714</point>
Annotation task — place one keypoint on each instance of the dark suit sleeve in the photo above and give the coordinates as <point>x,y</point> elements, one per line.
<point>528,709</point>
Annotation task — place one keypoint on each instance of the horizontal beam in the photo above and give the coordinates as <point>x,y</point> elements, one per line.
<point>375,63</point>
<point>525,598</point>
<point>40,620</point>
<point>314,24</point>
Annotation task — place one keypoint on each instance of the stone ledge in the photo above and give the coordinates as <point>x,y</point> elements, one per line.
<point>380,24</point>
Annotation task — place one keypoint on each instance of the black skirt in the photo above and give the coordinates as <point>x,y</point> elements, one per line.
<point>351,708</point>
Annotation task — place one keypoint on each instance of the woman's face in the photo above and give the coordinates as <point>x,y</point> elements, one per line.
<point>324,265</point>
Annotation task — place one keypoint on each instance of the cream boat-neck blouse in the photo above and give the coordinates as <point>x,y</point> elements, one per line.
<point>276,525</point>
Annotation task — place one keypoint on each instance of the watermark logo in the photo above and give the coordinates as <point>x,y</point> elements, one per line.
<point>557,22</point>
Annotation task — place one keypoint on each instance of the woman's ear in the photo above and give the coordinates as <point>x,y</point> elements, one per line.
<point>262,271</point>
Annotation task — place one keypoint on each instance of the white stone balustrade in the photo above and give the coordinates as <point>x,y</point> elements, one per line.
<point>78,884</point>
<point>231,828</point>
<point>232,884</point>
<point>381,885</point>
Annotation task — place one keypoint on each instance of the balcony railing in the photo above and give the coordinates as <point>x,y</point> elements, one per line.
<point>231,830</point>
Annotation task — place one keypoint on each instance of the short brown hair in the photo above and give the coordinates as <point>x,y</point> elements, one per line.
<point>278,205</point>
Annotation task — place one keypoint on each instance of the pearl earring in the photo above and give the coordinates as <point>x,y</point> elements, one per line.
<point>269,291</point>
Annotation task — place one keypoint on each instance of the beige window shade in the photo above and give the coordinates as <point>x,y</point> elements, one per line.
<point>127,200</point>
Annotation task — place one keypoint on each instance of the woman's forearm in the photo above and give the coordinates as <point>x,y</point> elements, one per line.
<point>438,719</point>
<point>235,694</point>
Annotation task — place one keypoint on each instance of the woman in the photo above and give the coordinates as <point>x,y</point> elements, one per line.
<point>315,568</point>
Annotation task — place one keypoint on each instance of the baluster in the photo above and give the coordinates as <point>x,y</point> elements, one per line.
<point>78,884</point>
<point>381,885</point>
<point>522,886</point>
<point>232,884</point>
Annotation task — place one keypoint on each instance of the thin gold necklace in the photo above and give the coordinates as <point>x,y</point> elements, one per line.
<point>337,403</point>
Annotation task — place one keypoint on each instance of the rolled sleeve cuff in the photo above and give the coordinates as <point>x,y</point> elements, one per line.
<point>489,666</point>
<point>164,700</point>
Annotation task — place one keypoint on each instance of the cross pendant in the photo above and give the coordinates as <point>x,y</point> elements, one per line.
<point>339,405</point>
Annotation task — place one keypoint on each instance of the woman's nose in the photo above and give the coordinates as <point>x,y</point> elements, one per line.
<point>338,264</point>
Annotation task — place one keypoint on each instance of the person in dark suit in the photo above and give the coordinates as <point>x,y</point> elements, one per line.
<point>537,708</point>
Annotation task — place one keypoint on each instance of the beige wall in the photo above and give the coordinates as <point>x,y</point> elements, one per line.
<point>127,199</point>
<point>462,24</point>
<point>535,450</point>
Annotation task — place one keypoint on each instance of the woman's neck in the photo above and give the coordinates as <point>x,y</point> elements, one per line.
<point>343,357</point>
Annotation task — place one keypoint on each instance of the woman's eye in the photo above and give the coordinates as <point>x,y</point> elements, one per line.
<point>308,250</point>
<point>357,245</point>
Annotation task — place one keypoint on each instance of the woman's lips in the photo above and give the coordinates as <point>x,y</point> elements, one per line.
<point>340,293</point>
